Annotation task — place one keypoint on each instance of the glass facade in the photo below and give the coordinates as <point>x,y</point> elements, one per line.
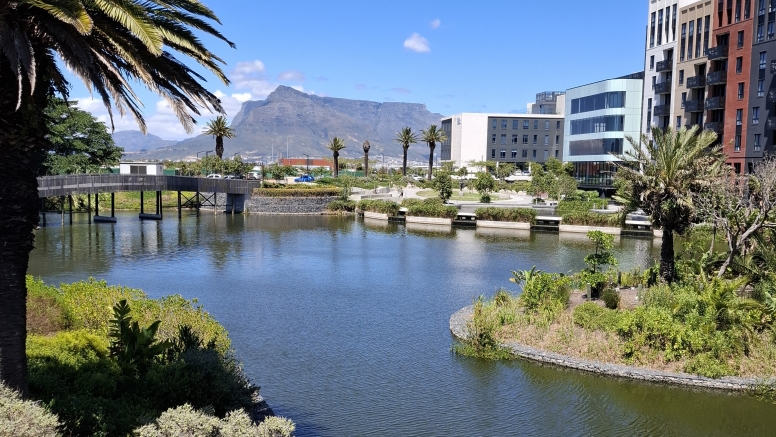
<point>606,123</point>
<point>598,146</point>
<point>598,101</point>
<point>597,173</point>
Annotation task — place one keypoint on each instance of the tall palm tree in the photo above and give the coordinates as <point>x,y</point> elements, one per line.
<point>335,145</point>
<point>366,146</point>
<point>662,176</point>
<point>405,137</point>
<point>219,128</point>
<point>110,46</point>
<point>431,136</point>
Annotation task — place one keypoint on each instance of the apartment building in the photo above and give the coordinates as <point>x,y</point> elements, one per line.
<point>513,138</point>
<point>599,116</point>
<point>760,122</point>
<point>548,102</point>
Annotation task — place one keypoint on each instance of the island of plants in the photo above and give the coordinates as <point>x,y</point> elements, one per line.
<point>515,218</point>
<point>429,211</point>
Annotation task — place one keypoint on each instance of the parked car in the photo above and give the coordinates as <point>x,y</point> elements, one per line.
<point>418,178</point>
<point>253,176</point>
<point>214,176</point>
<point>513,178</point>
<point>304,178</point>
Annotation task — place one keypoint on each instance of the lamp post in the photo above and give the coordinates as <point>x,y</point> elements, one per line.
<point>208,152</point>
<point>198,154</point>
<point>307,161</point>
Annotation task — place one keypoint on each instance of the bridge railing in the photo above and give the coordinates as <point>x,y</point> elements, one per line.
<point>51,186</point>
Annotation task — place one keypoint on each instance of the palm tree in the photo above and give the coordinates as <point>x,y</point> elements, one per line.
<point>405,137</point>
<point>662,176</point>
<point>335,145</point>
<point>431,136</point>
<point>109,46</point>
<point>219,128</point>
<point>366,146</point>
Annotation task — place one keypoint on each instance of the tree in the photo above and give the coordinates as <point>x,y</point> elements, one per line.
<point>220,129</point>
<point>431,136</point>
<point>444,185</point>
<point>504,169</point>
<point>109,46</point>
<point>484,184</point>
<point>601,257</point>
<point>335,145</point>
<point>405,137</point>
<point>663,176</point>
<point>366,147</point>
<point>555,180</point>
<point>79,143</point>
<point>740,206</point>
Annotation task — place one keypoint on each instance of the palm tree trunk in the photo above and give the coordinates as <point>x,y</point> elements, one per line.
<point>366,164</point>
<point>22,150</point>
<point>667,270</point>
<point>220,146</point>
<point>404,163</point>
<point>336,165</point>
<point>431,147</point>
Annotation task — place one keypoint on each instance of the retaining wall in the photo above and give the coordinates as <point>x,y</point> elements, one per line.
<point>280,205</point>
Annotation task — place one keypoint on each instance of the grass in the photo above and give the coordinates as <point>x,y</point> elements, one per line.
<point>130,201</point>
<point>464,197</point>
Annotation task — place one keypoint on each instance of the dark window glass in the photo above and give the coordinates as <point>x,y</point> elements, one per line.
<point>607,123</point>
<point>595,102</point>
<point>740,39</point>
<point>492,153</point>
<point>598,146</point>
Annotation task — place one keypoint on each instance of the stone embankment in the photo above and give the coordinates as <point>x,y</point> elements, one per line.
<point>278,205</point>
<point>460,319</point>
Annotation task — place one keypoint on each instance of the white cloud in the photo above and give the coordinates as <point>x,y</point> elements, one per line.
<point>244,97</point>
<point>360,86</point>
<point>250,76</point>
<point>291,75</point>
<point>436,23</point>
<point>416,43</point>
<point>232,103</point>
<point>401,90</point>
<point>162,123</point>
<point>249,68</point>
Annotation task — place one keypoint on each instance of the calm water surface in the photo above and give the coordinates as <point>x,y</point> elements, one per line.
<point>344,324</point>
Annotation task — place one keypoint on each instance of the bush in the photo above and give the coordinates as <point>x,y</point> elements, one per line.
<point>591,316</point>
<point>590,219</point>
<point>481,330</point>
<point>185,420</point>
<point>22,418</point>
<point>546,295</point>
<point>522,215</point>
<point>485,198</point>
<point>379,206</point>
<point>611,298</point>
<point>569,206</point>
<point>275,426</point>
<point>342,205</point>
<point>297,191</point>
<point>432,209</point>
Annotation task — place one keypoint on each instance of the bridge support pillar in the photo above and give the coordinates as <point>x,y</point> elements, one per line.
<point>70,204</point>
<point>179,204</point>
<point>103,219</point>
<point>89,207</point>
<point>197,202</point>
<point>235,203</point>
<point>61,210</point>
<point>43,209</point>
<point>142,204</point>
<point>159,203</point>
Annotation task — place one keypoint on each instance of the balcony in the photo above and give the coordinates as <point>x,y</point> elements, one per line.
<point>693,105</point>
<point>661,110</point>
<point>713,103</point>
<point>696,82</point>
<point>718,52</point>
<point>716,78</point>
<point>663,88</point>
<point>771,96</point>
<point>770,123</point>
<point>666,65</point>
<point>716,126</point>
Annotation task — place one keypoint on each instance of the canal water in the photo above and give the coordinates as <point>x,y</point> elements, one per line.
<point>344,324</point>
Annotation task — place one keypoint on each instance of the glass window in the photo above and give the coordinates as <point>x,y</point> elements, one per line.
<point>524,154</point>
<point>606,123</point>
<point>514,124</point>
<point>760,88</point>
<point>599,146</point>
<point>684,99</point>
<point>689,39</point>
<point>557,139</point>
<point>546,154</point>
<point>493,139</point>
<point>739,116</point>
<point>514,139</point>
<point>756,142</point>
<point>652,62</point>
<point>760,36</point>
<point>557,152</point>
<point>503,124</point>
<point>525,124</point>
<point>770,30</point>
<point>738,11</point>
<point>557,124</point>
<point>654,80</point>
<point>652,31</point>
<point>536,124</point>
<point>536,139</point>
<point>525,139</point>
<point>737,147</point>
<point>660,27</point>
<point>495,123</point>
<point>546,140</point>
<point>681,77</point>
<point>514,153</point>
<point>678,122</point>
<point>698,41</point>
<point>756,115</point>
<point>740,91</point>
<point>762,60</point>
<point>503,153</point>
<point>595,102</point>
<point>739,64</point>
<point>747,7</point>
<point>533,154</point>
<point>546,125</point>
<point>492,153</point>
<point>503,138</point>
<point>684,36</point>
<point>740,39</point>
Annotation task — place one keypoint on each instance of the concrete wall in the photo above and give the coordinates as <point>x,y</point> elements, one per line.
<point>276,205</point>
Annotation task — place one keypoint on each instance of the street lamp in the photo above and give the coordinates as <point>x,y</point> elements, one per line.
<point>206,155</point>
<point>198,154</point>
<point>307,161</point>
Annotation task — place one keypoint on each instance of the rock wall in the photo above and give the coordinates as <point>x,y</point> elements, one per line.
<point>279,205</point>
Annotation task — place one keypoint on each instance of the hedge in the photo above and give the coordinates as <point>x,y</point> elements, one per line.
<point>521,215</point>
<point>591,219</point>
<point>342,205</point>
<point>379,206</point>
<point>429,209</point>
<point>297,192</point>
<point>569,206</point>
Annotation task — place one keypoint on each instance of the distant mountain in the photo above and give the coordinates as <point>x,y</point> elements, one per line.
<point>307,122</point>
<point>135,141</point>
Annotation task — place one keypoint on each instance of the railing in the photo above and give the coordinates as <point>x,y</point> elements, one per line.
<point>771,96</point>
<point>716,126</point>
<point>661,110</point>
<point>770,123</point>
<point>713,103</point>
<point>693,105</point>
<point>696,82</point>
<point>51,186</point>
<point>663,88</point>
<point>665,65</point>
<point>716,78</point>
<point>718,52</point>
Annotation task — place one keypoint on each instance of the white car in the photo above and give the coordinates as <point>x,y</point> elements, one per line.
<point>418,178</point>
<point>214,176</point>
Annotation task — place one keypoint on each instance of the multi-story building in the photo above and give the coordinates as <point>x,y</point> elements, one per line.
<point>758,128</point>
<point>599,117</point>
<point>514,138</point>
<point>547,102</point>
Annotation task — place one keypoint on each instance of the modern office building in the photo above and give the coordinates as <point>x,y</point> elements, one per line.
<point>547,102</point>
<point>514,138</point>
<point>760,122</point>
<point>599,117</point>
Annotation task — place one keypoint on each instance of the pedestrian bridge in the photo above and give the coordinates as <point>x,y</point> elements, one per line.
<point>67,185</point>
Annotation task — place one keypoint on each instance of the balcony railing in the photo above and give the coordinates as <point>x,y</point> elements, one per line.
<point>716,126</point>
<point>770,123</point>
<point>771,96</point>
<point>718,52</point>
<point>666,65</point>
<point>663,88</point>
<point>713,103</point>
<point>661,110</point>
<point>716,78</point>
<point>693,105</point>
<point>696,82</point>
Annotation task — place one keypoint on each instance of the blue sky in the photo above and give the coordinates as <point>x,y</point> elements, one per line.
<point>454,56</point>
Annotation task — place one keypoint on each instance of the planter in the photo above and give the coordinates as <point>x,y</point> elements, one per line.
<point>430,220</point>
<point>503,225</point>
<point>375,216</point>
<point>585,229</point>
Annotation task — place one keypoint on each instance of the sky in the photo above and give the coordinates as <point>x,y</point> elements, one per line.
<point>454,56</point>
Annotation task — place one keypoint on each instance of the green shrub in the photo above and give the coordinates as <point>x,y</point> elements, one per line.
<point>22,418</point>
<point>577,206</point>
<point>342,205</point>
<point>481,330</point>
<point>590,219</point>
<point>297,191</point>
<point>275,426</point>
<point>185,420</point>
<point>611,298</point>
<point>432,209</point>
<point>591,316</point>
<point>485,198</point>
<point>546,295</point>
<point>522,215</point>
<point>706,364</point>
<point>135,348</point>
<point>45,309</point>
<point>379,206</point>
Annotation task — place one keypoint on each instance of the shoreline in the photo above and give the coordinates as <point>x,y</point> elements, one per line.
<point>460,319</point>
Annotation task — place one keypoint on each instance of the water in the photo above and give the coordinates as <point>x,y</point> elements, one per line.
<point>344,324</point>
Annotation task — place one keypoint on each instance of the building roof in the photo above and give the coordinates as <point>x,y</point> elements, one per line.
<point>141,162</point>
<point>505,115</point>
<point>639,75</point>
<point>315,162</point>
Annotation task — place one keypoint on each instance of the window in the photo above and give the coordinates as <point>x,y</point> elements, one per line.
<point>493,139</point>
<point>606,123</point>
<point>525,124</point>
<point>760,33</point>
<point>536,124</point>
<point>690,34</point>
<point>536,139</point>
<point>739,116</point>
<point>652,62</point>
<point>503,138</point>
<point>684,99</point>
<point>681,77</point>
<point>738,11</point>
<point>546,140</point>
<point>760,88</point>
<point>557,152</point>
<point>739,64</point>
<point>598,101</point>
<point>495,123</point>
<point>557,139</point>
<point>557,124</point>
<point>524,154</point>
<point>762,60</point>
<point>698,40</point>
<point>756,142</point>
<point>598,146</point>
<point>514,153</point>
<point>138,169</point>
<point>652,31</point>
<point>737,145</point>
<point>737,167</point>
<point>756,115</point>
<point>678,122</point>
<point>502,154</point>
<point>654,79</point>
<point>706,35</point>
<point>684,36</point>
<point>747,7</point>
<point>546,125</point>
<point>503,124</point>
<point>546,154</point>
<point>649,104</point>
<point>525,139</point>
<point>770,30</point>
<point>492,153</point>
<point>740,91</point>
<point>533,153</point>
<point>514,124</point>
<point>514,139</point>
<point>660,27</point>
<point>740,39</point>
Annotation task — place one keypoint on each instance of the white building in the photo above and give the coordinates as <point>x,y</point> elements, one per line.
<point>139,168</point>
